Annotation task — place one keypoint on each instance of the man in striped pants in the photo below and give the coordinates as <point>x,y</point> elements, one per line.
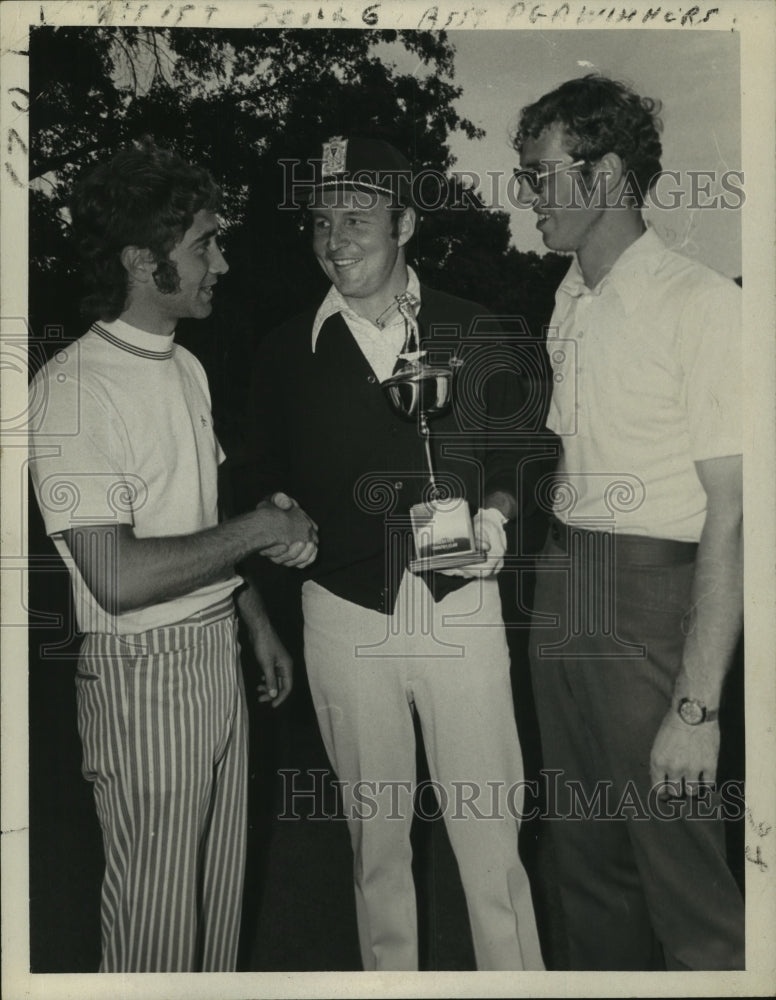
<point>124,464</point>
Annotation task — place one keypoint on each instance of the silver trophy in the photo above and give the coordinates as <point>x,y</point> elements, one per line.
<point>441,524</point>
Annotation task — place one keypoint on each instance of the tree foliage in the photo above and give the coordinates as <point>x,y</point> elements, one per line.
<point>230,98</point>
<point>240,101</point>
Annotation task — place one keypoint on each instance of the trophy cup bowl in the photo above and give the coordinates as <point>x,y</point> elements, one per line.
<point>441,525</point>
<point>420,388</point>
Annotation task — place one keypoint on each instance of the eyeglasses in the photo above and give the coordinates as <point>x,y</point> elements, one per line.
<point>535,178</point>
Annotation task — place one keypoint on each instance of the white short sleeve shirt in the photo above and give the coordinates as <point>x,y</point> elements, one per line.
<point>123,434</point>
<point>647,381</point>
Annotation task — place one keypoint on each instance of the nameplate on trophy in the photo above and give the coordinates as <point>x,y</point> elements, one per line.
<point>443,535</point>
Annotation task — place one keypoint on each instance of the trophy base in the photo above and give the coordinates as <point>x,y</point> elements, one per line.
<point>452,561</point>
<point>444,536</point>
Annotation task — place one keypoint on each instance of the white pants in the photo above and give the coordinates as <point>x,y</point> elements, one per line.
<point>449,662</point>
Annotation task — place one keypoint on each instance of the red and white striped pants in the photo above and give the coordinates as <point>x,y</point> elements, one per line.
<point>163,724</point>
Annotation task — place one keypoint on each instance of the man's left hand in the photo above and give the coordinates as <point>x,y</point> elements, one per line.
<point>489,535</point>
<point>275,663</point>
<point>684,756</point>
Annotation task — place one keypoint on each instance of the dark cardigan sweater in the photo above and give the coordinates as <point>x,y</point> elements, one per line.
<point>326,434</point>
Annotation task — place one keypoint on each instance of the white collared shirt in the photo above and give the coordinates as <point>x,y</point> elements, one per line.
<point>646,370</point>
<point>380,347</point>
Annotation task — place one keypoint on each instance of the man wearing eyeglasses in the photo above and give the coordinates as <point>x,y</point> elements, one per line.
<point>638,605</point>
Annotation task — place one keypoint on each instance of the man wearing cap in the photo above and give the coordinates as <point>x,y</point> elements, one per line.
<point>124,464</point>
<point>382,643</point>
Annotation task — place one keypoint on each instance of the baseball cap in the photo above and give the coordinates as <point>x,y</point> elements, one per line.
<point>369,165</point>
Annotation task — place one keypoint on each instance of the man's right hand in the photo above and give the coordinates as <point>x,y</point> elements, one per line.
<point>124,572</point>
<point>296,544</point>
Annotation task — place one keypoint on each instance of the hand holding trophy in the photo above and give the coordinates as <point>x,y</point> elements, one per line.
<point>441,524</point>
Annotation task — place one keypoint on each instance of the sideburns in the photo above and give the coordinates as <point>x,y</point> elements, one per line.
<point>166,277</point>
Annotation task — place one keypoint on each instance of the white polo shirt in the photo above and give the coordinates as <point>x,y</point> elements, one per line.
<point>647,381</point>
<point>122,433</point>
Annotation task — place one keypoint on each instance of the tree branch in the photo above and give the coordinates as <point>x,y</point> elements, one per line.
<point>57,162</point>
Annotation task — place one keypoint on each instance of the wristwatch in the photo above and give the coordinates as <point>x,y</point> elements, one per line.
<point>694,712</point>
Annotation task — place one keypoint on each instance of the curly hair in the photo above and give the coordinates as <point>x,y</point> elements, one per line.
<point>601,116</point>
<point>145,197</point>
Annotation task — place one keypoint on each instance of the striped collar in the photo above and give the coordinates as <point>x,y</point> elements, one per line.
<point>158,347</point>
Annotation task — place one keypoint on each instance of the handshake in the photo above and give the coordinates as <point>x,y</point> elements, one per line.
<point>289,537</point>
<point>294,535</point>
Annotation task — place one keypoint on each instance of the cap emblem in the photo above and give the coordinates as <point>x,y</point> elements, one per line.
<point>334,156</point>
